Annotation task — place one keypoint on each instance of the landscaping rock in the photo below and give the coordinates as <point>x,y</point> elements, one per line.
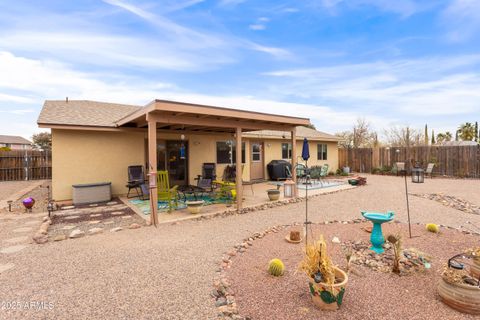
<point>95,231</point>
<point>40,238</point>
<point>68,207</point>
<point>94,222</point>
<point>134,226</point>
<point>76,234</point>
<point>116,229</point>
<point>69,227</point>
<point>111,203</point>
<point>335,240</point>
<point>59,237</point>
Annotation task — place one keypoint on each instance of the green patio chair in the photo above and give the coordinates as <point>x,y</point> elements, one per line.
<point>165,193</point>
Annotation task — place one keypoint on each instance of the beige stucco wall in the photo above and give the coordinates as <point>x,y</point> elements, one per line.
<point>98,156</point>
<point>93,156</point>
<point>273,151</point>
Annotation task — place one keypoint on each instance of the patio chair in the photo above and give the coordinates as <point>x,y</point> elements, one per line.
<point>136,181</point>
<point>209,174</point>
<point>165,193</point>
<point>323,173</point>
<point>429,170</point>
<point>301,172</point>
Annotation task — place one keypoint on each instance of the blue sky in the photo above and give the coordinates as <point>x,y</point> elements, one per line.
<point>393,62</point>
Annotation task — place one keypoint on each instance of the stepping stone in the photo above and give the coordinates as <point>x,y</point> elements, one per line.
<point>94,222</point>
<point>71,217</point>
<point>116,229</point>
<point>23,229</point>
<point>76,234</point>
<point>93,205</point>
<point>13,249</point>
<point>5,267</point>
<point>60,237</point>
<point>117,213</point>
<point>95,215</point>
<point>69,227</point>
<point>112,203</point>
<point>95,230</point>
<point>126,217</point>
<point>68,207</point>
<point>17,239</point>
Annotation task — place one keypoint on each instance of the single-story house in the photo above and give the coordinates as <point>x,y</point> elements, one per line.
<point>15,142</point>
<point>96,141</point>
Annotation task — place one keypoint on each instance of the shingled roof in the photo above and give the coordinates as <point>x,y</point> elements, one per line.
<point>83,113</point>
<point>302,132</point>
<point>13,140</point>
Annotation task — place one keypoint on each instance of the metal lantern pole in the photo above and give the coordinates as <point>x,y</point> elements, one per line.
<point>408,207</point>
<point>306,204</point>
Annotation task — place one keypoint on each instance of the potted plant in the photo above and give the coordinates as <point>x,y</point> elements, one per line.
<point>273,194</point>
<point>459,291</point>
<point>327,282</point>
<point>194,206</point>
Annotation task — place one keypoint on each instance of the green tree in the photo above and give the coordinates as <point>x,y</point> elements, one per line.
<point>433,137</point>
<point>42,140</point>
<point>466,131</point>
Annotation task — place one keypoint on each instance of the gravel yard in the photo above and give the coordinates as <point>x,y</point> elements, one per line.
<point>369,294</point>
<point>167,273</point>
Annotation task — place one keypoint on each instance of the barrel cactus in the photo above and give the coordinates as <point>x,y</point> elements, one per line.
<point>276,267</point>
<point>432,227</point>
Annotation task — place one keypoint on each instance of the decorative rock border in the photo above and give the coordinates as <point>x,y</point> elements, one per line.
<point>450,201</point>
<point>224,295</point>
<point>259,207</point>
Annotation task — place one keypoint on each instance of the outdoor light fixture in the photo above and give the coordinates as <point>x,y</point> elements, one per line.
<point>10,205</point>
<point>288,188</point>
<point>418,175</point>
<point>182,137</point>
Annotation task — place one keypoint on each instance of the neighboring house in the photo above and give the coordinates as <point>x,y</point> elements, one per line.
<point>15,142</point>
<point>97,141</point>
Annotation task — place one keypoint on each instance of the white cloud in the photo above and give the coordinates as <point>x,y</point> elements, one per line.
<point>442,86</point>
<point>257,27</point>
<point>405,8</point>
<point>462,19</point>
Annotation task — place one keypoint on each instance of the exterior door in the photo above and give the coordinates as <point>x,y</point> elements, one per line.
<point>176,160</point>
<point>257,167</point>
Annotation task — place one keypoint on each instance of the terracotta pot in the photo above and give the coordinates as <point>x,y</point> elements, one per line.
<point>327,297</point>
<point>273,194</point>
<point>475,269</point>
<point>462,297</point>
<point>194,206</point>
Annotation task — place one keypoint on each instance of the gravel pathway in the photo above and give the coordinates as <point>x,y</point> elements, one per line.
<point>167,273</point>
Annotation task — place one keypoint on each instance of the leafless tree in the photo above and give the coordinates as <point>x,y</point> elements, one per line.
<point>360,136</point>
<point>404,136</point>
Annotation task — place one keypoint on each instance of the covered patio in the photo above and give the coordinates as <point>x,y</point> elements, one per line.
<point>162,117</point>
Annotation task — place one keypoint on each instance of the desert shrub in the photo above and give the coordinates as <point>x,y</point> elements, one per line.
<point>432,227</point>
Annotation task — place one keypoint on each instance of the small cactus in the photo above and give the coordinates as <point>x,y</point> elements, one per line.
<point>432,227</point>
<point>276,267</point>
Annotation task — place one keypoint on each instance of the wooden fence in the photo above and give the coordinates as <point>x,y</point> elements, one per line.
<point>25,165</point>
<point>461,161</point>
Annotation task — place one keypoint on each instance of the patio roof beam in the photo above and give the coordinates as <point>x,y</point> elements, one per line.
<point>214,123</point>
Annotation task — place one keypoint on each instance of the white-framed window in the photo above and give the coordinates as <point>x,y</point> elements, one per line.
<point>286,151</point>
<point>322,151</point>
<point>227,152</point>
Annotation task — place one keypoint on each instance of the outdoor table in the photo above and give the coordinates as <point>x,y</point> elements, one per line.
<point>190,190</point>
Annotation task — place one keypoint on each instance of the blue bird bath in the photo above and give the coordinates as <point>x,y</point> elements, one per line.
<point>376,238</point>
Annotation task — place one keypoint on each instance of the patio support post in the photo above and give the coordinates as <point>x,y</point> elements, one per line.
<point>238,180</point>
<point>294,159</point>
<point>152,161</point>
